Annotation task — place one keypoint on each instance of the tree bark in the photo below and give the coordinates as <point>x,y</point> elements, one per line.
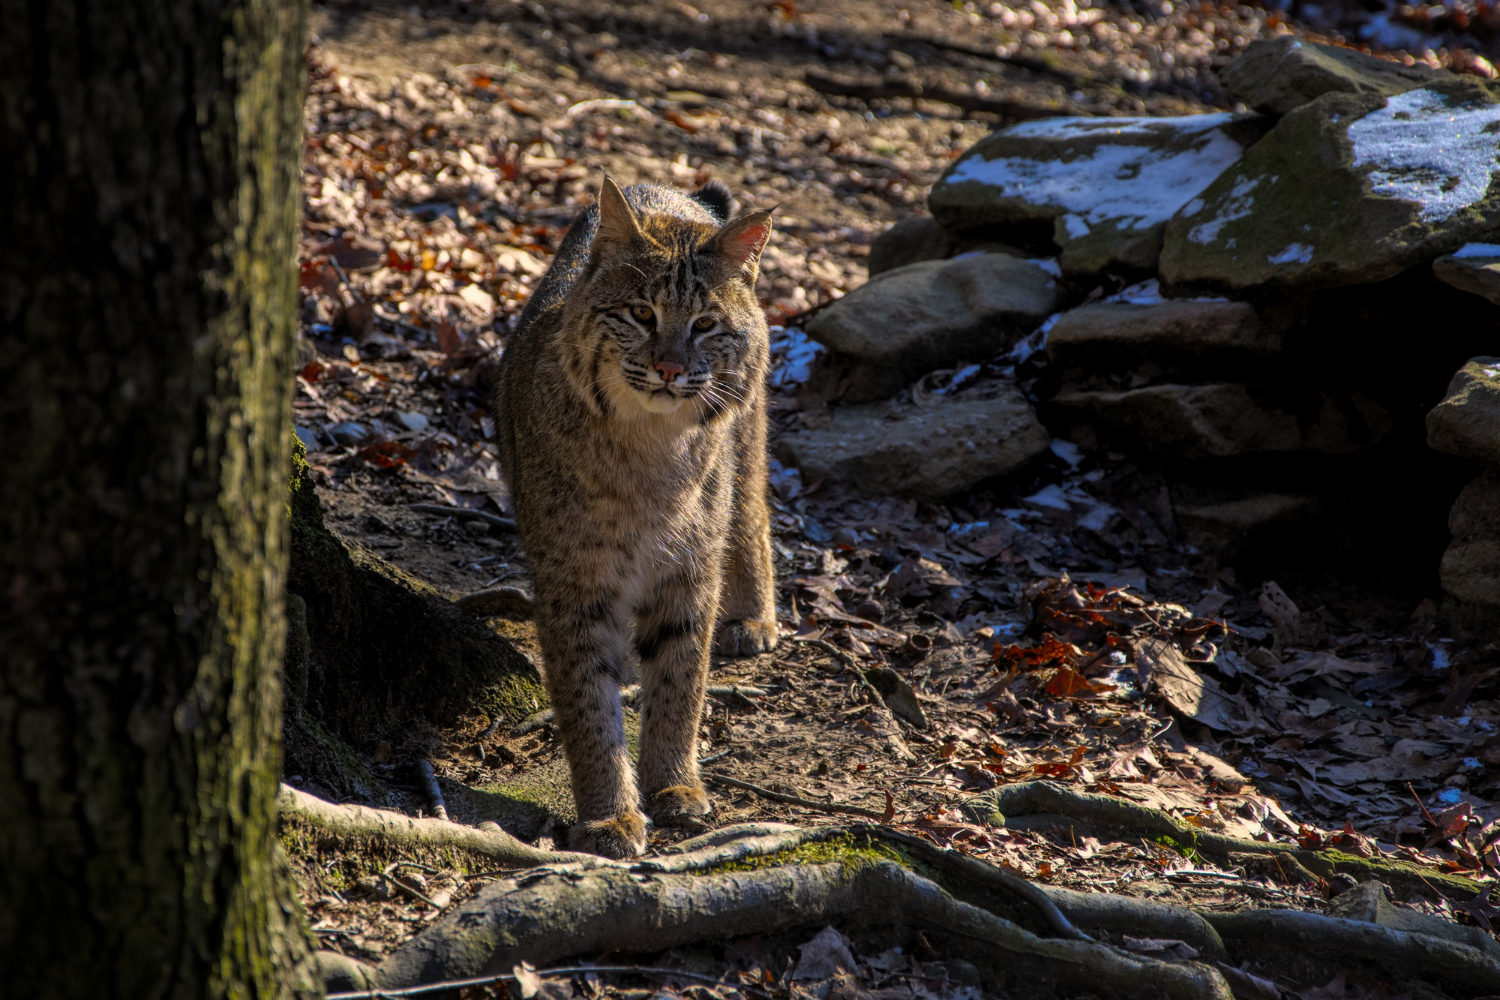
<point>148,207</point>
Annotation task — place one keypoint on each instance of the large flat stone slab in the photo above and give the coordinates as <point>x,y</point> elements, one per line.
<point>1113,336</point>
<point>914,319</point>
<point>1467,422</point>
<point>1227,419</point>
<point>1474,268</point>
<point>1107,185</point>
<point>1349,189</point>
<point>1278,75</point>
<point>924,452</point>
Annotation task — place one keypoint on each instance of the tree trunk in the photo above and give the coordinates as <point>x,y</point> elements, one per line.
<point>148,207</point>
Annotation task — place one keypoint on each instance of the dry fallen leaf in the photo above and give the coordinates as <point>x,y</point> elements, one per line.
<point>1184,689</point>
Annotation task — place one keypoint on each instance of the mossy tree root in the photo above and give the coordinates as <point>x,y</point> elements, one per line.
<point>544,916</point>
<point>1421,957</point>
<point>362,822</point>
<point>377,649</point>
<point>1040,804</point>
<point>575,904</point>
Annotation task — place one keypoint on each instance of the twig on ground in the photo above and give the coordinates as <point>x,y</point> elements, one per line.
<point>881,708</point>
<point>465,513</point>
<point>792,800</point>
<point>345,279</point>
<point>1422,806</point>
<point>566,970</point>
<point>412,891</point>
<point>430,786</point>
<point>498,602</point>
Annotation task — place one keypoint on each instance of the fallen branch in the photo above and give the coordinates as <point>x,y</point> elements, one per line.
<point>428,778</point>
<point>464,513</point>
<point>968,100</point>
<point>793,800</point>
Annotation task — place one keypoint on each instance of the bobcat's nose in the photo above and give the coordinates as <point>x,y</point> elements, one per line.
<point>669,370</point>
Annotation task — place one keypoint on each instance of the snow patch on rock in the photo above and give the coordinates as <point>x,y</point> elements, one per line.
<point>1478,250</point>
<point>1136,185</point>
<point>1239,204</point>
<point>1297,253</point>
<point>1422,148</point>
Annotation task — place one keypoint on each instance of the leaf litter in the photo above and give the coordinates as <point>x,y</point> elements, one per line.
<point>1046,628</point>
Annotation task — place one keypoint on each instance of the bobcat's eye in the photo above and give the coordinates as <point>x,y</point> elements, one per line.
<point>703,324</point>
<point>643,314</point>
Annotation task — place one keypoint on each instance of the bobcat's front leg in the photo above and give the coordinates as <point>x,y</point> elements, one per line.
<point>672,635</point>
<point>584,637</point>
<point>748,617</point>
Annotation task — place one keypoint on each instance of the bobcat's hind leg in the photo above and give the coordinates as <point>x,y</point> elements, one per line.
<point>747,622</point>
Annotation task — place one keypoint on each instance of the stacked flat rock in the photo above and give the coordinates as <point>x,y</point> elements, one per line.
<point>1299,283</point>
<point>1467,424</point>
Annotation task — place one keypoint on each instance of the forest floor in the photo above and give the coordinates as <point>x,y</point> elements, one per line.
<point>1049,626</point>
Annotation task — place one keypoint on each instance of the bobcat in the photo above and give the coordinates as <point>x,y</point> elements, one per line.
<point>631,414</point>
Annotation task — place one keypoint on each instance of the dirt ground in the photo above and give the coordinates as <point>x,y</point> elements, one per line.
<point>448,147</point>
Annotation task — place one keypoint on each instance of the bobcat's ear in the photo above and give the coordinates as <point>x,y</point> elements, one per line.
<point>743,240</point>
<point>617,222</point>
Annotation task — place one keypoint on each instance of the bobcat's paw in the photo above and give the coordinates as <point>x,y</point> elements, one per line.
<point>745,638</point>
<point>622,836</point>
<point>679,805</point>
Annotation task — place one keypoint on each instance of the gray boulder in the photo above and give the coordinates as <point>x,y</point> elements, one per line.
<point>1349,189</point>
<point>1476,513</point>
<point>1106,185</point>
<point>1278,75</point>
<point>927,452</point>
<point>1227,419</point>
<point>1467,422</point>
<point>1470,570</point>
<point>920,237</point>
<point>1113,336</point>
<point>1474,268</point>
<point>928,315</point>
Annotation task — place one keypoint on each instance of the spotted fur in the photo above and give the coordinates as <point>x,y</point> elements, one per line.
<point>641,500</point>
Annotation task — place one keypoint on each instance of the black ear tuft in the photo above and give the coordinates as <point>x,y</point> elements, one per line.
<point>717,198</point>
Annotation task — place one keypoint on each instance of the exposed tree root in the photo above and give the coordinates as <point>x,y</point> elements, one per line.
<point>575,904</point>
<point>543,916</point>
<point>382,824</point>
<point>1421,957</point>
<point>1041,804</point>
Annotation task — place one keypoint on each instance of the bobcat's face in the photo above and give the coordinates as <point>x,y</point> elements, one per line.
<point>682,337</point>
<point>666,313</point>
